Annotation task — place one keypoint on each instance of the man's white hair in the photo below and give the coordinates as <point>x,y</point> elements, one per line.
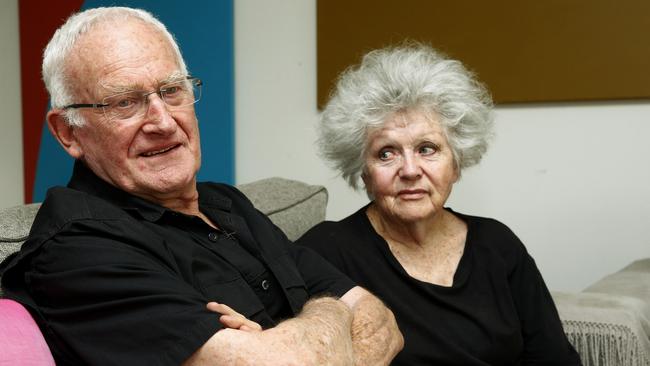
<point>58,84</point>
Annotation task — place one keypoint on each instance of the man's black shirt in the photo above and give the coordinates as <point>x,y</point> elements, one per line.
<point>113,279</point>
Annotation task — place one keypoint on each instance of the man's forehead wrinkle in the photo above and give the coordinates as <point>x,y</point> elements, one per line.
<point>126,66</point>
<point>174,76</point>
<point>117,87</point>
<point>131,83</point>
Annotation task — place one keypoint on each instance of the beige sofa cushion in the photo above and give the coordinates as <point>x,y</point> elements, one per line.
<point>15,223</point>
<point>292,205</point>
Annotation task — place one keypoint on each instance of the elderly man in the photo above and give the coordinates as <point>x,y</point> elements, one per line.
<point>120,263</point>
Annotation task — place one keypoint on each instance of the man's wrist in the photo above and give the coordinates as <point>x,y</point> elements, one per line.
<point>325,307</point>
<point>328,322</point>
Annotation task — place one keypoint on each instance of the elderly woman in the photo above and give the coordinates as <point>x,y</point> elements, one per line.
<point>463,288</point>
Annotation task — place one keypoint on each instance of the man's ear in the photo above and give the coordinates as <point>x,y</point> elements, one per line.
<point>64,132</point>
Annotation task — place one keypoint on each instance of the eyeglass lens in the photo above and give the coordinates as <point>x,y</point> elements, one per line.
<point>133,104</point>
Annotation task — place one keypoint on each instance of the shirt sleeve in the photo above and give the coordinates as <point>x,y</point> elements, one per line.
<point>323,239</point>
<point>108,302</point>
<point>321,277</point>
<point>545,342</point>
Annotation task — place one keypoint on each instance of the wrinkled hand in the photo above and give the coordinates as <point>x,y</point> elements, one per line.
<point>232,319</point>
<point>376,337</point>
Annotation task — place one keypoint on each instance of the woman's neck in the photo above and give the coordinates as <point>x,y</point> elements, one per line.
<point>415,233</point>
<point>428,250</point>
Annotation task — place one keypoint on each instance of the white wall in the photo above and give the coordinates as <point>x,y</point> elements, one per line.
<point>573,181</point>
<point>275,97</point>
<point>11,162</point>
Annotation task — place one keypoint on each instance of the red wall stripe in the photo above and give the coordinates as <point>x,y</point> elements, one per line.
<point>37,22</point>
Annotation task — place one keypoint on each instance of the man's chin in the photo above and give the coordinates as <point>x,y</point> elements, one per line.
<point>167,183</point>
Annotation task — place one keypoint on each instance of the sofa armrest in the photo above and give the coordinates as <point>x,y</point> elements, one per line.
<point>606,329</point>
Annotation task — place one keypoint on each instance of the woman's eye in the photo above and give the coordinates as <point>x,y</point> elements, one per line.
<point>427,150</point>
<point>385,154</point>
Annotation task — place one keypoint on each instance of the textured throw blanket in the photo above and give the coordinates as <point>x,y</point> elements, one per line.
<point>609,323</point>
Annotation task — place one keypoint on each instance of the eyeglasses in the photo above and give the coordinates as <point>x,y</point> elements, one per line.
<point>134,104</point>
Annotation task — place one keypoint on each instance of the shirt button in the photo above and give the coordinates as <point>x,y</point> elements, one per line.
<point>212,236</point>
<point>265,284</point>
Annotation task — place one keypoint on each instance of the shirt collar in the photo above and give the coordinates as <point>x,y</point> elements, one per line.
<point>211,198</point>
<point>84,179</point>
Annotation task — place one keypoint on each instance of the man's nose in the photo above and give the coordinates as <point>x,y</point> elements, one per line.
<point>157,117</point>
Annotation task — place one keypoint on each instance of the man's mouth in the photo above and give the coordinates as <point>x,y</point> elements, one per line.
<point>158,152</point>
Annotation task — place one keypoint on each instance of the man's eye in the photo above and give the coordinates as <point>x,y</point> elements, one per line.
<point>174,89</point>
<point>171,90</point>
<point>125,103</point>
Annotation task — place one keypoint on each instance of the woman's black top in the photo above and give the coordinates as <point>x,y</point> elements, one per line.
<point>497,312</point>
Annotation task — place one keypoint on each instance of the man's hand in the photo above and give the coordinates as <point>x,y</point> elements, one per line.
<point>376,339</point>
<point>232,319</point>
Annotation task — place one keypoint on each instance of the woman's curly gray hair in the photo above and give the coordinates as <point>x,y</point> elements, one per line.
<point>408,77</point>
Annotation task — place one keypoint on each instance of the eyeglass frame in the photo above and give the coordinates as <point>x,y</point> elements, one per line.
<point>144,96</point>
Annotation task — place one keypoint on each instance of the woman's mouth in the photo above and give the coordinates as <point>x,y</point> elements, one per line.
<point>411,193</point>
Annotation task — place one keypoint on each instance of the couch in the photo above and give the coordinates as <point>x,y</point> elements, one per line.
<point>608,322</point>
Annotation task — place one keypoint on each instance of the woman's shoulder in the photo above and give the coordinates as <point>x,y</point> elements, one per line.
<point>485,224</point>
<point>492,234</point>
<point>336,233</point>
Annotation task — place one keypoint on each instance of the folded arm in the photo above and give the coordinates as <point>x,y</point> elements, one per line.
<point>319,335</point>
<point>357,330</point>
<point>376,339</point>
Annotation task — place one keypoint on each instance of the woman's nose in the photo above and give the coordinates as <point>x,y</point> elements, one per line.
<point>410,167</point>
